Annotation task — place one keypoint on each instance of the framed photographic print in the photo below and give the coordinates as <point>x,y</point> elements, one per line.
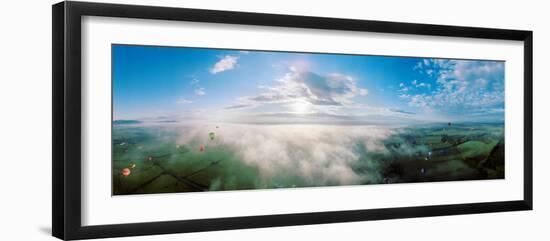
<point>171,120</point>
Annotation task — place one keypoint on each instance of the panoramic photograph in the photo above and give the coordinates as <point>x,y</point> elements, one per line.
<point>187,119</point>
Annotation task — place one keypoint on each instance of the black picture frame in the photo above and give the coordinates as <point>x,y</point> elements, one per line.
<point>66,75</point>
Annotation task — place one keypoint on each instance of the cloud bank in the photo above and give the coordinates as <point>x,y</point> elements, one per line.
<point>305,154</point>
<point>305,86</point>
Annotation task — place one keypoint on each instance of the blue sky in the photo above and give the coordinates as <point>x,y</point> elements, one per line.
<point>262,86</point>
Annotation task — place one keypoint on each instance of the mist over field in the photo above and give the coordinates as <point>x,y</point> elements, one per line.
<point>252,156</point>
<point>311,154</point>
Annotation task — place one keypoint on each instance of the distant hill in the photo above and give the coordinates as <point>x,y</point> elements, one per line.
<point>496,157</point>
<point>125,122</point>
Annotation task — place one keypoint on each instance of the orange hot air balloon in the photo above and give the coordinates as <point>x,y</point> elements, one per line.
<point>125,171</point>
<point>201,148</point>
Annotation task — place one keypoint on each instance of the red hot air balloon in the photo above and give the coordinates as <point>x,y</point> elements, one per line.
<point>125,171</point>
<point>201,148</point>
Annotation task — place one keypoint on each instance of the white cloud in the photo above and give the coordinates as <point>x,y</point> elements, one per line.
<point>228,62</point>
<point>239,106</point>
<point>194,81</point>
<point>461,85</point>
<point>417,83</point>
<point>309,154</point>
<point>183,101</point>
<point>200,92</point>
<point>304,86</point>
<point>244,52</point>
<point>313,96</point>
<point>424,85</point>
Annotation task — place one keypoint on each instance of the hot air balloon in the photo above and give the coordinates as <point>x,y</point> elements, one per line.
<point>201,148</point>
<point>211,135</point>
<point>125,171</point>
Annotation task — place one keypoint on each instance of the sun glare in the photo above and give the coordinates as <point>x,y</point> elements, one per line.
<point>300,107</point>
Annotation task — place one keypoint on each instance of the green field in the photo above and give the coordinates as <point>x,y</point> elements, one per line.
<point>169,157</point>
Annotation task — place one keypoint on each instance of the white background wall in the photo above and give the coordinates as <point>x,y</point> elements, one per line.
<point>25,120</point>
